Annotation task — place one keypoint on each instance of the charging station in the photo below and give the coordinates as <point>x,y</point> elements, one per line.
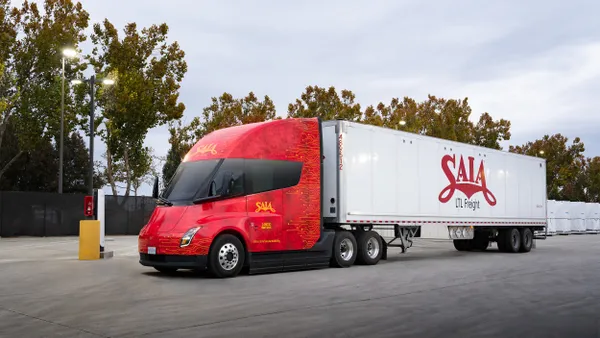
<point>92,230</point>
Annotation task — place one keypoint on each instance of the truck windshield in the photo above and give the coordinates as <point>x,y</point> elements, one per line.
<point>191,181</point>
<point>196,181</point>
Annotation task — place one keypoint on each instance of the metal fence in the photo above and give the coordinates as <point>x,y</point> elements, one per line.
<point>52,214</point>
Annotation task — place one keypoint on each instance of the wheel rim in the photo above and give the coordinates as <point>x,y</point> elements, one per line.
<point>346,249</point>
<point>228,256</point>
<point>372,247</point>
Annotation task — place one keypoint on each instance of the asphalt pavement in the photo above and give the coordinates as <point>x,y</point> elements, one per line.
<point>431,291</point>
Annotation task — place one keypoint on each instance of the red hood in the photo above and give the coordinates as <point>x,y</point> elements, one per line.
<point>165,219</point>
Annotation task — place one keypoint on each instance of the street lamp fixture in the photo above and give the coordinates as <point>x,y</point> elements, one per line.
<point>541,152</point>
<point>67,53</point>
<point>402,122</point>
<point>92,82</point>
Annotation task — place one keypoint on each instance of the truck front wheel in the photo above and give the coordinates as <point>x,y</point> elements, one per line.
<point>226,257</point>
<point>345,249</point>
<point>370,247</point>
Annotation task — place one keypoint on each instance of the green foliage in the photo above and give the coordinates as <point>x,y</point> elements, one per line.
<point>326,104</point>
<point>438,117</point>
<point>147,73</point>
<point>76,166</point>
<point>593,179</point>
<point>564,164</point>
<point>32,40</point>
<point>37,169</point>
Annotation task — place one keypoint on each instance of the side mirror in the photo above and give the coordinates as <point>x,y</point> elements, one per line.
<point>155,188</point>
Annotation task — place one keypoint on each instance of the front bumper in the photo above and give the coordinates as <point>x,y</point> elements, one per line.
<point>174,261</point>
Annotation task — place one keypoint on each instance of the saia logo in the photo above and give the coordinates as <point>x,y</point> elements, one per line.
<point>264,206</point>
<point>207,148</point>
<point>465,181</point>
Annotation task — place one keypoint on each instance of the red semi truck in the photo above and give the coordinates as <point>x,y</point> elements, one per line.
<point>302,193</point>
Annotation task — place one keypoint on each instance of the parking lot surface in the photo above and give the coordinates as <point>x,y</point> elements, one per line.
<point>431,291</point>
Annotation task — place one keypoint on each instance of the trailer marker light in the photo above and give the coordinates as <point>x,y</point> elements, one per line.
<point>186,239</point>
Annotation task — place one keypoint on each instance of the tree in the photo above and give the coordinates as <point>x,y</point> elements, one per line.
<point>147,73</point>
<point>8,91</point>
<point>488,133</point>
<point>76,162</point>
<point>8,97</point>
<point>593,179</point>
<point>439,117</point>
<point>224,111</point>
<point>32,171</point>
<point>326,104</point>
<point>31,46</point>
<point>182,138</point>
<point>36,169</point>
<point>564,164</point>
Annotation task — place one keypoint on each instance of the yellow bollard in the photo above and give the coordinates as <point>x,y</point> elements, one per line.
<point>89,240</point>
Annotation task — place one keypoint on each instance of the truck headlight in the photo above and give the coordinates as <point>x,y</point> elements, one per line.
<point>186,239</point>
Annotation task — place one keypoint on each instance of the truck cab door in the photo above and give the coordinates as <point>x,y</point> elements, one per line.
<point>265,217</point>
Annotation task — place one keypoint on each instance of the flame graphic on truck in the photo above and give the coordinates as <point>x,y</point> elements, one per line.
<point>465,181</point>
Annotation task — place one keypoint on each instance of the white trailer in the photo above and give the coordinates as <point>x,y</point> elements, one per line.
<point>592,217</point>
<point>552,206</point>
<point>563,218</point>
<point>403,184</point>
<point>577,214</point>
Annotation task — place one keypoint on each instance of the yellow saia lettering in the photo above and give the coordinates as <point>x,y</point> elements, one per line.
<point>207,148</point>
<point>264,206</point>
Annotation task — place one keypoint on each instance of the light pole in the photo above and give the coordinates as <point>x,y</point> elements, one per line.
<point>92,82</point>
<point>67,53</point>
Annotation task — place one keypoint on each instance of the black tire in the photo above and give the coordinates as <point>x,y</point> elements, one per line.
<point>370,247</point>
<point>344,243</point>
<point>481,241</point>
<point>526,240</point>
<point>226,257</point>
<point>500,240</point>
<point>463,244</point>
<point>163,269</point>
<point>509,240</point>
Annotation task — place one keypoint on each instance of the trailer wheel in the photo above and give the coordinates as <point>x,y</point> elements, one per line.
<point>370,247</point>
<point>509,240</point>
<point>526,240</point>
<point>481,241</point>
<point>345,249</point>
<point>463,244</point>
<point>226,257</point>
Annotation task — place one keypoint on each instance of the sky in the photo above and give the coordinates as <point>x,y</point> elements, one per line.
<point>535,63</point>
